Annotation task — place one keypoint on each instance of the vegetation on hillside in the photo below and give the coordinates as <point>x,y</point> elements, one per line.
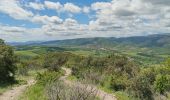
<point>118,73</point>
<point>129,74</point>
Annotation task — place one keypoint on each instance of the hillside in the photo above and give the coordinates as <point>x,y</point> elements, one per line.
<point>140,41</point>
<point>149,49</point>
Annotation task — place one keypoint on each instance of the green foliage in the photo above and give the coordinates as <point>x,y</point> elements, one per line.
<point>47,77</point>
<point>38,91</point>
<point>25,55</point>
<point>141,88</point>
<point>22,68</point>
<point>119,83</point>
<point>7,62</point>
<point>54,61</point>
<point>120,95</point>
<point>35,92</point>
<point>117,72</point>
<point>162,83</point>
<point>167,62</point>
<point>72,78</point>
<point>120,73</point>
<point>151,80</point>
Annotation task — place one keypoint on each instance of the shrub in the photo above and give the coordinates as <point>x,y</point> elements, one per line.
<point>54,61</point>
<point>47,77</point>
<point>118,83</point>
<point>7,62</point>
<point>162,83</point>
<point>22,68</point>
<point>61,91</point>
<point>141,88</point>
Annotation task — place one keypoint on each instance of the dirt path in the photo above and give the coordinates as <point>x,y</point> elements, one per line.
<point>100,93</point>
<point>15,92</point>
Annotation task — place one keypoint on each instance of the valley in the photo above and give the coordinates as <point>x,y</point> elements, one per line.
<point>107,71</point>
<point>84,49</point>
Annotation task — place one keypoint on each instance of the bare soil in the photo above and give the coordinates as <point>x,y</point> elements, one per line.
<point>15,92</point>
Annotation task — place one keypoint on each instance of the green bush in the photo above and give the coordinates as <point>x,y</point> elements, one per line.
<point>54,61</point>
<point>162,83</point>
<point>47,77</point>
<point>38,91</point>
<point>7,62</point>
<point>22,69</point>
<point>141,88</point>
<point>119,83</point>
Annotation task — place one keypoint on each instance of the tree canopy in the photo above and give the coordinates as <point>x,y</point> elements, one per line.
<point>7,62</point>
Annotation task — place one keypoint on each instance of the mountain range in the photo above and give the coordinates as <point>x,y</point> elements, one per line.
<point>157,40</point>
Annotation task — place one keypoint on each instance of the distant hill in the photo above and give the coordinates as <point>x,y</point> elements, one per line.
<point>23,43</point>
<point>158,40</point>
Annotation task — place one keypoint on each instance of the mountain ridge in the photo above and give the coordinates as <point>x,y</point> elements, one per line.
<point>157,40</point>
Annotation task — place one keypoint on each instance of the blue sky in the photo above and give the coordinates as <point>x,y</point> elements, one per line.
<point>43,20</point>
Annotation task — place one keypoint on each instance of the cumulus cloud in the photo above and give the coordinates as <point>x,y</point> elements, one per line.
<point>36,6</point>
<point>86,9</point>
<point>14,9</point>
<point>133,17</point>
<point>101,5</point>
<point>12,29</point>
<point>13,33</point>
<point>46,19</point>
<point>70,22</point>
<point>71,8</point>
<point>52,5</point>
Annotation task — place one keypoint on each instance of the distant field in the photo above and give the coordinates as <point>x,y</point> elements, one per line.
<point>34,51</point>
<point>143,55</point>
<point>26,53</point>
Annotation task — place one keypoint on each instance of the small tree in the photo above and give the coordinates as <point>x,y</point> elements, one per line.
<point>7,62</point>
<point>1,42</point>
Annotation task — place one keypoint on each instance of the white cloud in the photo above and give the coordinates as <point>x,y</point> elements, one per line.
<point>13,33</point>
<point>14,10</point>
<point>72,8</point>
<point>36,6</point>
<point>101,5</point>
<point>70,22</point>
<point>12,29</point>
<point>86,9</point>
<point>46,19</point>
<point>132,17</point>
<point>68,7</point>
<point>52,5</point>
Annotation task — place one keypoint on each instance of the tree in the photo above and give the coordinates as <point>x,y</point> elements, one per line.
<point>7,62</point>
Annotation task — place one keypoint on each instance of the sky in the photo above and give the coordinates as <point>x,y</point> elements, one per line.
<point>44,20</point>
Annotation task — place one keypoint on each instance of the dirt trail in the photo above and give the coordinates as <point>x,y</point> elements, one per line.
<point>100,93</point>
<point>15,92</point>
